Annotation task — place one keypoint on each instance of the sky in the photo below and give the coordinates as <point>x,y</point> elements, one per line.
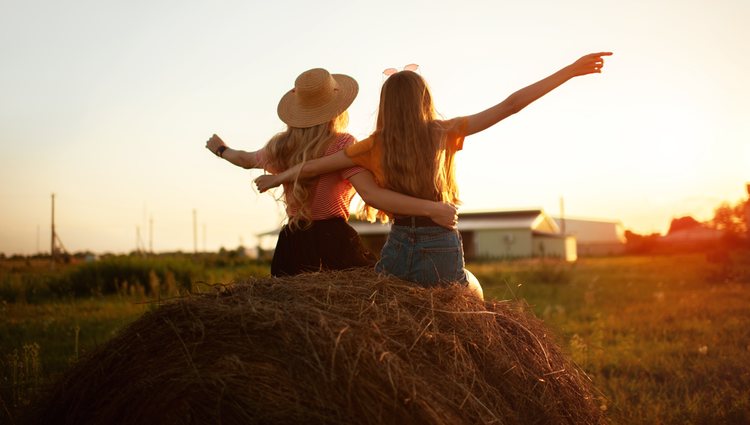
<point>108,105</point>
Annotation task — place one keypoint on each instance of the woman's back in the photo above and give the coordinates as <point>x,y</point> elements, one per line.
<point>329,194</point>
<point>317,236</point>
<point>418,148</point>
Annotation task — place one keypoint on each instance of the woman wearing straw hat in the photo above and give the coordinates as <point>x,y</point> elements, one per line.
<point>317,236</point>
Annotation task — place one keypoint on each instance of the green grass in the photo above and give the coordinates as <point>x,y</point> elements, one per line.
<point>33,281</point>
<point>40,341</point>
<point>666,339</point>
<point>49,318</point>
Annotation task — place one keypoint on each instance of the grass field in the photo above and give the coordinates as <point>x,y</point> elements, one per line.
<point>666,339</point>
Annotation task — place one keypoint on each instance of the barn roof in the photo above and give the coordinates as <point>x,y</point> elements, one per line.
<point>534,220</point>
<point>694,234</point>
<point>502,215</point>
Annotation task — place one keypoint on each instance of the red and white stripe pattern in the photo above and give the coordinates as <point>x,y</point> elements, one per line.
<point>332,192</point>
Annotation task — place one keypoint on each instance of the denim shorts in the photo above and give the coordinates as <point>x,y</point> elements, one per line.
<point>428,256</point>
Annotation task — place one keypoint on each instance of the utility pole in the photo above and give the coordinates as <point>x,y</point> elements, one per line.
<point>204,237</point>
<point>52,233</point>
<point>56,246</point>
<point>151,234</point>
<point>562,216</point>
<point>138,241</point>
<point>195,232</point>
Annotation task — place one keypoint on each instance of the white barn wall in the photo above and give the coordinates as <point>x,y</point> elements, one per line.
<point>571,248</point>
<point>595,237</point>
<point>494,243</point>
<point>555,247</point>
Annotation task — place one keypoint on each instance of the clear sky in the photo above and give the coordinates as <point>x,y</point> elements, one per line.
<point>109,104</point>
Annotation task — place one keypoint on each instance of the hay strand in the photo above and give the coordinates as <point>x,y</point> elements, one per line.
<point>329,348</point>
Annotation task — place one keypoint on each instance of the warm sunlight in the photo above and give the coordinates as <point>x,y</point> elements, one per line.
<point>118,132</point>
<point>567,188</point>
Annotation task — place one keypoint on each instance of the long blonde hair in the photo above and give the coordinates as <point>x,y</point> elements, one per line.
<point>415,159</point>
<point>297,145</point>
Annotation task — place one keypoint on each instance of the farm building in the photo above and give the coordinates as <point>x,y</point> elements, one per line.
<point>495,235</point>
<point>594,237</point>
<point>697,234</point>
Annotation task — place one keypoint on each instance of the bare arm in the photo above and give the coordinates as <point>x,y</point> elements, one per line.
<point>589,64</point>
<point>386,200</point>
<point>239,158</point>
<point>305,170</point>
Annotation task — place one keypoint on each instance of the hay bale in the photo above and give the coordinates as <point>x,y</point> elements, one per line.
<point>334,348</point>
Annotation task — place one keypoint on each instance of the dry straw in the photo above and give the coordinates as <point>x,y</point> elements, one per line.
<point>334,348</point>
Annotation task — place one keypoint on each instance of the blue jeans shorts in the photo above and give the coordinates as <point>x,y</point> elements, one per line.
<point>428,256</point>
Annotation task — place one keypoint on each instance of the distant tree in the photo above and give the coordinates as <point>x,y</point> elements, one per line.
<point>742,211</point>
<point>683,223</point>
<point>730,219</point>
<point>640,244</point>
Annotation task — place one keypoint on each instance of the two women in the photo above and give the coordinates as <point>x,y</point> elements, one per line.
<point>411,151</point>
<point>317,236</point>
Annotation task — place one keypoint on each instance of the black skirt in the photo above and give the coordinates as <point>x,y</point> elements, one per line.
<point>324,245</point>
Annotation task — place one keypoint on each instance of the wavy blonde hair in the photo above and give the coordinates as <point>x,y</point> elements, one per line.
<point>297,145</point>
<point>415,159</point>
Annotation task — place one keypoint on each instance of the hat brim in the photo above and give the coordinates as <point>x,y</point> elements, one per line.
<point>295,115</point>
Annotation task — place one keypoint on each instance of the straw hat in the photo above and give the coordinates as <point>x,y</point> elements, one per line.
<point>317,97</point>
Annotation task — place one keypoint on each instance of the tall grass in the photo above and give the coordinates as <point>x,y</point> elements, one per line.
<point>39,341</point>
<point>49,318</point>
<point>665,338</point>
<point>154,276</point>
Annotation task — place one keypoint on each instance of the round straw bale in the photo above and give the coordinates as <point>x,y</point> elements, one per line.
<point>329,348</point>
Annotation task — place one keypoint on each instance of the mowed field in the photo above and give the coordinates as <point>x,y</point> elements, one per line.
<point>666,339</point>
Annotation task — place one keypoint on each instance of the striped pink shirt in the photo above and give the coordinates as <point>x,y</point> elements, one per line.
<point>332,192</point>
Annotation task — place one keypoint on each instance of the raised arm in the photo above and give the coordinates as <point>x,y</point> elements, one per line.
<point>589,64</point>
<point>443,214</point>
<point>305,170</point>
<point>239,158</point>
